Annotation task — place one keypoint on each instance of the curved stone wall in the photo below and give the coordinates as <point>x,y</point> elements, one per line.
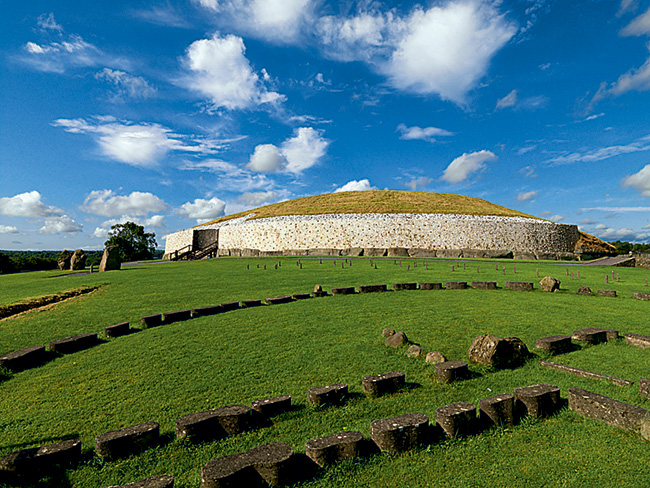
<point>424,231</point>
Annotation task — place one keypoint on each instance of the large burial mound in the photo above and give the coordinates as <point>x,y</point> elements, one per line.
<point>378,223</point>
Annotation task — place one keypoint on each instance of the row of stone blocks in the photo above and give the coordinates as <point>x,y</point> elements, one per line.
<point>558,344</point>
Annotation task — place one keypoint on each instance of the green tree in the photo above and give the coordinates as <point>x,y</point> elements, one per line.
<point>132,241</point>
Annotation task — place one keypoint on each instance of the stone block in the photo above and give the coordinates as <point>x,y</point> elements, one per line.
<point>430,286</point>
<point>26,358</point>
<point>612,412</point>
<point>405,286</point>
<point>527,256</point>
<point>301,296</point>
<point>638,340</point>
<point>546,256</point>
<point>117,329</point>
<point>434,357</point>
<point>278,300</point>
<point>151,320</point>
<point>157,481</point>
<point>295,252</point>
<point>334,448</point>
<point>590,335</point>
<point>324,252</point>
<point>450,371</point>
<point>644,387</point>
<point>584,290</point>
<point>402,433</point>
<point>398,339</point>
<point>537,400</point>
<point>498,410</point>
<point>519,286</point>
<point>422,253</point>
<point>267,465</point>
<point>641,296</point>
<point>457,419</point>
<point>328,395</point>
<point>178,316</point>
<point>414,351</point>
<point>498,352</point>
<point>344,290</point>
<point>456,285</point>
<point>374,251</point>
<point>110,259</point>
<point>449,253</point>
<point>382,384</point>
<point>484,285</point>
<point>395,252</point>
<point>352,251</point>
<point>214,424</point>
<point>583,373</point>
<point>607,293</point>
<point>556,344</point>
<point>34,463</point>
<point>230,306</point>
<point>388,332</point>
<point>270,407</point>
<point>65,453</point>
<point>371,288</point>
<point>72,344</point>
<point>612,334</point>
<point>130,440</point>
<point>251,303</point>
<point>249,253</point>
<point>207,311</point>
<point>549,284</point>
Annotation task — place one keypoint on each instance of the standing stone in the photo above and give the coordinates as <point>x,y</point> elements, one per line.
<point>78,260</point>
<point>498,352</point>
<point>549,284</point>
<point>63,262</point>
<point>111,259</point>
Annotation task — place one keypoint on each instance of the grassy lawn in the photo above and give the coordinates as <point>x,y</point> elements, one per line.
<point>163,373</point>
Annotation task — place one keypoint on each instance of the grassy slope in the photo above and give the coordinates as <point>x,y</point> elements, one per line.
<point>163,373</point>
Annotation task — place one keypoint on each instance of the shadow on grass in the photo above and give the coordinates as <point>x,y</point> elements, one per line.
<point>42,441</point>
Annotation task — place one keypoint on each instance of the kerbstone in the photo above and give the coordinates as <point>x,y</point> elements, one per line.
<point>556,344</point>
<point>371,288</point>
<point>484,285</point>
<point>382,384</point>
<point>343,290</point>
<point>28,357</point>
<point>124,442</point>
<point>519,286</point>
<point>456,285</point>
<point>328,395</point>
<point>405,286</point>
<point>117,330</point>
<point>590,335</point>
<point>272,406</point>
<point>638,340</point>
<point>178,316</point>
<point>151,320</point>
<point>457,419</point>
<point>279,300</point>
<point>402,433</point>
<point>537,400</point>
<point>430,286</point>
<point>450,371</point>
<point>214,424</point>
<point>612,412</point>
<point>498,410</point>
<point>334,448</point>
<point>72,344</point>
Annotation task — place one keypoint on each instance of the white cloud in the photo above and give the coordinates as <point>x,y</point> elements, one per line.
<point>637,79</point>
<point>424,134</point>
<point>528,171</point>
<point>202,210</point>
<point>359,38</point>
<point>587,222</point>
<point>600,227</point>
<point>642,144</point>
<point>108,204</point>
<point>142,144</point>
<point>526,196</point>
<point>267,159</point>
<point>640,26</point>
<point>27,204</point>
<point>47,22</point>
<point>418,183</point>
<point>257,198</point>
<point>463,166</point>
<point>163,14</point>
<point>508,101</point>
<point>126,85</point>
<point>361,185</point>
<point>528,103</point>
<point>623,233</point>
<point>155,221</point>
<point>640,181</point>
<point>618,209</point>
<point>304,150</point>
<point>8,229</point>
<point>627,6</point>
<point>556,218</point>
<point>60,225</point>
<point>219,70</point>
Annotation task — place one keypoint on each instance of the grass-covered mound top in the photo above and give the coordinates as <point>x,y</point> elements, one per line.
<point>379,202</point>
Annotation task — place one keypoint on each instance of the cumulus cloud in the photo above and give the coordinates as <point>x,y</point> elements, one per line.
<point>143,144</point>
<point>202,210</point>
<point>60,225</point>
<point>418,183</point>
<point>419,133</point>
<point>8,229</point>
<point>218,69</point>
<point>623,233</point>
<point>304,149</point>
<point>526,196</point>
<point>155,221</point>
<point>27,204</point>
<point>267,158</point>
<point>106,203</point>
<point>126,85</point>
<point>640,181</point>
<point>361,185</point>
<point>463,166</point>
<point>257,198</point>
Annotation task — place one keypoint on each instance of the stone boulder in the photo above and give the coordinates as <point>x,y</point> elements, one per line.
<point>498,352</point>
<point>549,284</point>
<point>435,357</point>
<point>414,351</point>
<point>78,260</point>
<point>585,290</point>
<point>63,262</point>
<point>388,332</point>
<point>111,259</point>
<point>398,339</point>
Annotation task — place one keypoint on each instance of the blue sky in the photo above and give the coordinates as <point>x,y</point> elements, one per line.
<point>170,113</point>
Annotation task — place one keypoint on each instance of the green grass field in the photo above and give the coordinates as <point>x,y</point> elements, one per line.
<point>163,373</point>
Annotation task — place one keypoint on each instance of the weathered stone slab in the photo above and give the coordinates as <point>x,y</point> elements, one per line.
<point>117,329</point>
<point>278,300</point>
<point>607,293</point>
<point>178,316</point>
<point>374,251</point>
<point>484,285</point>
<point>371,288</point>
<point>399,434</point>
<point>450,371</point>
<point>644,387</point>
<point>324,252</point>
<point>111,259</point>
<point>590,335</point>
<point>584,290</point>
<point>612,334</point>
<point>72,344</point>
<point>583,373</point>
<point>549,284</point>
<point>382,384</point>
<point>396,252</point>
<point>537,400</point>
<point>270,254</point>
<point>414,351</point>
<point>430,286</point>
<point>457,419</point>
<point>328,395</point>
<point>214,424</point>
<point>449,253</point>
<point>638,340</point>
<point>498,352</point>
<point>456,285</point>
<point>405,286</point>
<point>267,465</point>
<point>251,303</point>
<point>344,290</point>
<point>34,463</point>
<point>422,253</point>
<point>398,339</point>
<point>26,358</point>
<point>230,306</point>
<point>207,311</point>
<point>151,320</point>
<point>352,251</point>
<point>473,253</point>
<point>612,412</point>
<point>270,407</point>
<point>65,453</point>
<point>519,286</point>
<point>556,344</point>
<point>301,296</point>
<point>158,481</point>
<point>498,410</point>
<point>124,442</point>
<point>334,448</point>
<point>641,296</point>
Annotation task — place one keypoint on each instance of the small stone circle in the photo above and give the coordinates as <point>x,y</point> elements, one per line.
<point>450,371</point>
<point>382,384</point>
<point>119,443</point>
<point>498,410</point>
<point>399,434</point>
<point>537,400</point>
<point>457,419</point>
<point>556,344</point>
<point>334,448</point>
<point>328,395</point>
